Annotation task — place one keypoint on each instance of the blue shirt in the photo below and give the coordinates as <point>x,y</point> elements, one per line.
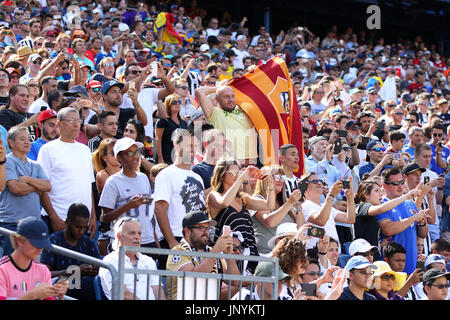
<point>445,153</point>
<point>410,150</point>
<point>408,237</point>
<point>35,147</point>
<point>368,168</point>
<point>102,54</point>
<point>323,169</point>
<point>348,295</point>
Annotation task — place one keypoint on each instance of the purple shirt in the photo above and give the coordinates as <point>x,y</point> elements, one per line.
<point>391,295</point>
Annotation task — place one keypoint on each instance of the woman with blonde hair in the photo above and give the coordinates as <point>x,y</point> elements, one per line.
<point>165,128</point>
<point>33,89</point>
<point>104,162</point>
<point>230,207</point>
<point>265,222</point>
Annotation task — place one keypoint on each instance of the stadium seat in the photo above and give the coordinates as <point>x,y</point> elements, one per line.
<point>343,258</point>
<point>346,247</point>
<point>99,294</point>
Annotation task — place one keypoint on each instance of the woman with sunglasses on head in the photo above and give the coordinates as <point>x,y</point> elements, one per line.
<point>369,204</point>
<point>229,206</point>
<point>165,128</point>
<point>188,103</point>
<point>265,222</point>
<point>33,89</point>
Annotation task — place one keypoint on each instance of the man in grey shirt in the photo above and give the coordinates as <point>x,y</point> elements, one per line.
<point>25,179</point>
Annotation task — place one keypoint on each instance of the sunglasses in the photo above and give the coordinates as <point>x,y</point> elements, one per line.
<point>15,77</point>
<point>387,277</point>
<point>398,113</point>
<point>277,177</point>
<point>396,183</point>
<point>183,87</point>
<point>33,85</point>
<point>366,272</point>
<point>238,248</point>
<point>441,286</point>
<point>313,273</point>
<point>132,153</point>
<point>37,62</point>
<point>437,134</point>
<point>346,148</point>
<point>378,149</point>
<point>411,120</point>
<point>176,102</point>
<point>316,181</point>
<point>210,82</point>
<point>127,219</point>
<point>96,89</point>
<point>135,72</point>
<point>109,64</point>
<point>233,173</point>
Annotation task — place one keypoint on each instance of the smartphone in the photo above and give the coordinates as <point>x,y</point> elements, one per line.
<point>154,69</point>
<point>68,56</point>
<point>43,108</point>
<point>62,279</point>
<point>363,144</point>
<point>440,145</point>
<point>148,200</point>
<point>132,85</point>
<point>226,230</point>
<point>130,36</point>
<point>337,146</point>
<point>303,186</point>
<point>342,133</point>
<point>309,289</point>
<point>426,179</point>
<point>257,174</point>
<point>316,232</point>
<point>346,184</point>
<point>420,265</point>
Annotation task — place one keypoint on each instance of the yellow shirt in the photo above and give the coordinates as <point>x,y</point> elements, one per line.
<point>238,129</point>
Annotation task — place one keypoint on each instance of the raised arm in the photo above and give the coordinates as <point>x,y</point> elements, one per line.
<point>202,96</point>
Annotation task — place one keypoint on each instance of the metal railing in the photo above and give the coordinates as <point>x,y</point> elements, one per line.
<point>85,258</point>
<point>198,276</point>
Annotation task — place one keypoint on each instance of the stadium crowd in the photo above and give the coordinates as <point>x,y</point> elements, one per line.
<point>118,129</point>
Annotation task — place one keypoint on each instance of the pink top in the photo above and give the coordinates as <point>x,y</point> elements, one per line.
<point>15,282</point>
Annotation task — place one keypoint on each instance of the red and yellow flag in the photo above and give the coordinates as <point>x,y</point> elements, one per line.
<point>165,21</point>
<point>267,96</point>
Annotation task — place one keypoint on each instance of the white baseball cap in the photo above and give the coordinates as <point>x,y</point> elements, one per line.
<point>125,143</point>
<point>241,37</point>
<point>360,245</point>
<point>204,47</point>
<point>434,258</point>
<point>283,230</point>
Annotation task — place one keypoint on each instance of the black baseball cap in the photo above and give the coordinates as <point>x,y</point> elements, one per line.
<point>411,167</point>
<point>196,217</point>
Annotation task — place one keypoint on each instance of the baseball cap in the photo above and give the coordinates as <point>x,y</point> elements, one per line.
<point>359,262</point>
<point>316,139</point>
<point>372,143</point>
<point>197,114</point>
<point>434,258</point>
<point>241,37</point>
<point>76,91</point>
<point>229,53</point>
<point>99,77</point>
<point>442,101</point>
<point>335,111</point>
<point>283,230</point>
<point>36,231</point>
<point>204,47</point>
<point>305,104</point>
<point>411,167</point>
<point>352,123</point>
<point>47,114</point>
<point>371,89</point>
<point>94,84</point>
<point>84,64</point>
<point>360,245</point>
<point>433,274</point>
<point>109,84</point>
<point>125,143</point>
<point>265,269</point>
<point>34,57</point>
<point>354,90</point>
<point>196,217</point>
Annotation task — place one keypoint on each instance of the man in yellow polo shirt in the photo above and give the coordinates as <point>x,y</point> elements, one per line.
<point>232,120</point>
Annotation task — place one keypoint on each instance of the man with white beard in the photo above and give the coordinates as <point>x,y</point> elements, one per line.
<point>319,160</point>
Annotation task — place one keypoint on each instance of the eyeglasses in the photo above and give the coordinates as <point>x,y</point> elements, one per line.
<point>387,277</point>
<point>135,71</point>
<point>313,273</point>
<point>437,135</point>
<point>378,149</point>
<point>396,183</point>
<point>203,228</point>
<point>73,121</point>
<point>441,286</point>
<point>176,102</point>
<point>366,272</point>
<point>238,248</point>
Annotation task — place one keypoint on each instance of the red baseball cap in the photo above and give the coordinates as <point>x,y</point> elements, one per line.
<point>94,84</point>
<point>47,114</point>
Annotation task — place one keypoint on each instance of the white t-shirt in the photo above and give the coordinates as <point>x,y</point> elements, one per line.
<point>183,190</point>
<point>238,60</point>
<point>118,189</point>
<point>69,169</point>
<point>147,98</point>
<point>308,208</point>
<point>35,107</point>
<point>142,286</point>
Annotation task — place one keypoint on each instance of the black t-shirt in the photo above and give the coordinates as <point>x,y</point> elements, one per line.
<point>205,171</point>
<point>166,142</point>
<point>9,119</point>
<point>4,101</point>
<point>446,118</point>
<point>125,114</point>
<point>366,227</point>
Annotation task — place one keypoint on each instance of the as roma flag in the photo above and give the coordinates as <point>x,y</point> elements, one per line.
<point>267,96</point>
